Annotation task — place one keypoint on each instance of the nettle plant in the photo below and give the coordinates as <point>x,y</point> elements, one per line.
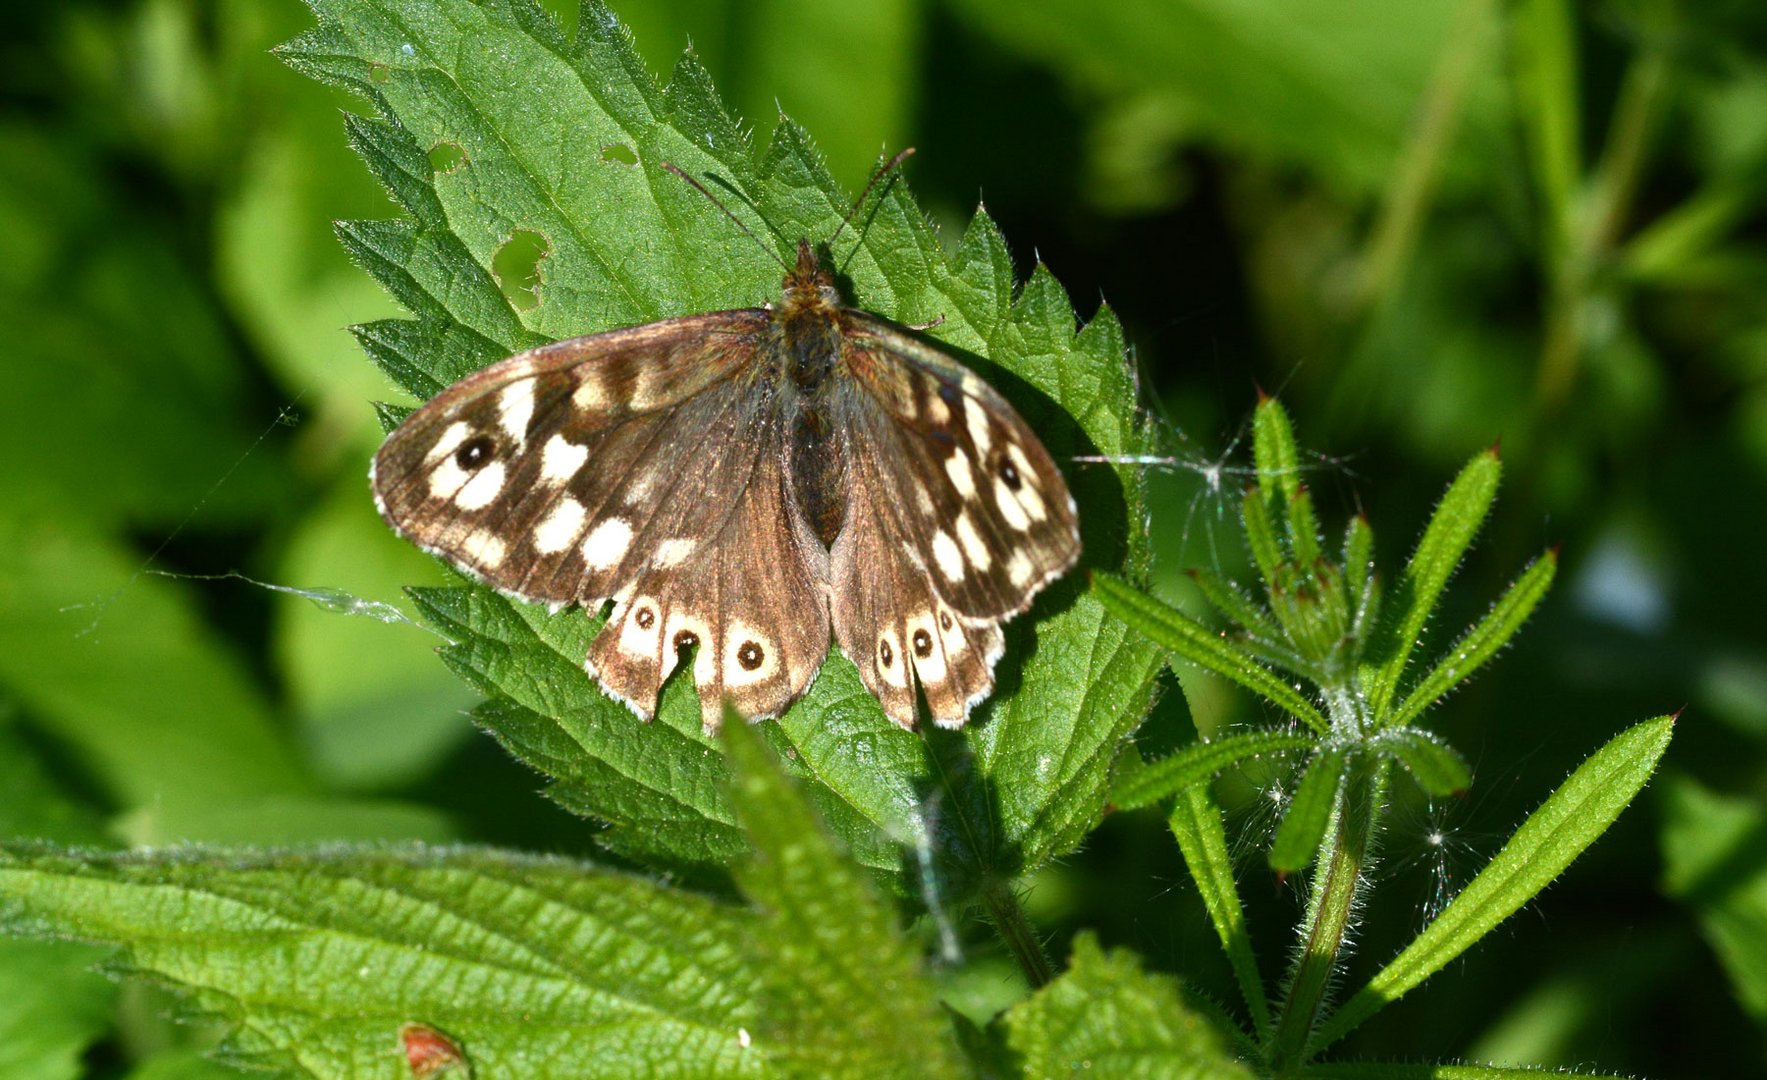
<point>767,929</point>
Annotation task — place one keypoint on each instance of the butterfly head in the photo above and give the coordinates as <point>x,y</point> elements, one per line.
<point>809,284</point>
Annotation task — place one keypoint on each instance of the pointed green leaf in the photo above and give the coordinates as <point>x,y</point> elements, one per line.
<point>842,989</point>
<point>1105,1016</point>
<point>1437,767</point>
<point>1274,453</point>
<point>534,966</point>
<point>1456,520</point>
<point>1193,764</point>
<point>1548,841</point>
<point>1303,526</point>
<point>1174,630</point>
<point>1483,641</point>
<point>460,143</point>
<point>1197,825</point>
<point>1261,536</point>
<point>1309,813</point>
<point>1358,556</point>
<point>1230,600</point>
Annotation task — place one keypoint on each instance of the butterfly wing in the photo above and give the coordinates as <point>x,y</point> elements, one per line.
<point>956,517</point>
<point>635,465</point>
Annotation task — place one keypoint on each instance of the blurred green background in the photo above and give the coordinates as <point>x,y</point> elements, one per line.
<point>1426,226</point>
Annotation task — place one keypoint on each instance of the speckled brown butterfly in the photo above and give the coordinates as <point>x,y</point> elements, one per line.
<point>741,483</point>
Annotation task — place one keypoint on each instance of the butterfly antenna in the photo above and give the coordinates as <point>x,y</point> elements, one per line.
<point>888,168</point>
<point>701,188</point>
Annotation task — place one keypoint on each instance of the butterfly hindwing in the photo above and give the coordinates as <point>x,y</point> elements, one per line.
<point>725,567</point>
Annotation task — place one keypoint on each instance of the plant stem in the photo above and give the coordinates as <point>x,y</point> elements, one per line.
<point>1337,877</point>
<point>1020,937</point>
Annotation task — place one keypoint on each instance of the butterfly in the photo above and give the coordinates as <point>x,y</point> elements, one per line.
<point>742,486</point>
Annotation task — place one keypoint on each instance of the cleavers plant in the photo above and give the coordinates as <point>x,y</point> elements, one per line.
<point>1335,624</point>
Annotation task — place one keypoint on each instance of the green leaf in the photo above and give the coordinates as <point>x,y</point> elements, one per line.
<point>1174,630</point>
<point>1105,1016</point>
<point>1711,846</point>
<point>626,243</point>
<point>364,726</point>
<point>1230,600</point>
<point>1274,454</point>
<point>1261,536</point>
<point>1193,764</point>
<point>1380,1071</point>
<point>1567,822</point>
<point>1451,528</point>
<point>1543,41</point>
<point>1483,641</point>
<point>83,632</point>
<point>1197,825</point>
<point>1437,767</point>
<point>842,990</point>
<point>1333,91</point>
<point>52,1005</point>
<point>1309,813</point>
<point>534,966</point>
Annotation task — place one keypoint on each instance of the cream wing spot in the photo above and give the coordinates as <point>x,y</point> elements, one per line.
<point>561,527</point>
<point>1022,464</point>
<point>973,546</point>
<point>951,633</point>
<point>1010,508</point>
<point>480,491</point>
<point>673,552</point>
<point>606,544</point>
<point>641,634</point>
<point>589,396</point>
<point>681,631</point>
<point>446,476</point>
<point>947,557</point>
<point>1019,569</point>
<point>484,548</point>
<point>1032,503</point>
<point>892,666</point>
<point>976,419</point>
<point>962,474</point>
<point>749,657</point>
<point>561,459</point>
<point>515,408</point>
<point>928,648</point>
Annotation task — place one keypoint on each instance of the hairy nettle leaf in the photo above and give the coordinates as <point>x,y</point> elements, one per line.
<point>567,200</point>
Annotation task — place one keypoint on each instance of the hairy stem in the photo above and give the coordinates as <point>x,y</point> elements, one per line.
<point>1337,877</point>
<point>1015,930</point>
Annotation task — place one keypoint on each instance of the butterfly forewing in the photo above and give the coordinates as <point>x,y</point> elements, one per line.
<point>631,466</point>
<point>984,504</point>
<point>510,472</point>
<point>956,518</point>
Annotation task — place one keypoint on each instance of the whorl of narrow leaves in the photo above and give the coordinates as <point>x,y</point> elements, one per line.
<point>499,136</point>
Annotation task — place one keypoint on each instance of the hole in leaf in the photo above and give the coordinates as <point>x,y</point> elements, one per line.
<point>517,267</point>
<point>445,157</point>
<point>379,73</point>
<point>619,152</point>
